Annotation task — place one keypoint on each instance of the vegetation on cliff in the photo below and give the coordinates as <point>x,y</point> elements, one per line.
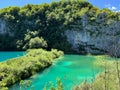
<point>43,26</point>
<point>50,21</point>
<point>14,70</point>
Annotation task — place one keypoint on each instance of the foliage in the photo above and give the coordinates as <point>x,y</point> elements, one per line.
<point>106,80</point>
<point>34,61</point>
<point>37,43</point>
<point>59,86</point>
<point>24,84</point>
<point>34,26</point>
<point>48,20</point>
<point>83,86</point>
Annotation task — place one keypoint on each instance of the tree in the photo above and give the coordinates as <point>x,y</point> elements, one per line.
<point>37,43</point>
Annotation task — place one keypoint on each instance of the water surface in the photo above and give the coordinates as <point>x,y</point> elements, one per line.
<point>71,69</point>
<point>8,55</point>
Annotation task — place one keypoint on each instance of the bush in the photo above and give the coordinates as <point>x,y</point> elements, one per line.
<point>13,70</point>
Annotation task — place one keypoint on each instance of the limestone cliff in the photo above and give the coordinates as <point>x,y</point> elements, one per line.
<point>88,29</point>
<point>2,26</point>
<point>95,38</point>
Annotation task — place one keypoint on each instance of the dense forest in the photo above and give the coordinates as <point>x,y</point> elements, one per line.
<point>43,26</point>
<point>21,28</point>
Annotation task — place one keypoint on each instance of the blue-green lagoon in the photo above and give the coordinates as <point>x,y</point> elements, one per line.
<point>8,55</point>
<point>71,69</point>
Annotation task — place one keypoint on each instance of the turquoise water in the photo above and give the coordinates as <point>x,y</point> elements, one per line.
<point>71,69</point>
<point>8,55</point>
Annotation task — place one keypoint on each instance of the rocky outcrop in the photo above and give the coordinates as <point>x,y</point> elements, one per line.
<point>89,30</point>
<point>94,38</point>
<point>2,27</point>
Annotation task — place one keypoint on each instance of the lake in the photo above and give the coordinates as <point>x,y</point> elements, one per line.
<point>71,69</point>
<point>8,55</point>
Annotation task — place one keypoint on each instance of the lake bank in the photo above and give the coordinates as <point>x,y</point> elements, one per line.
<point>20,68</point>
<point>71,69</point>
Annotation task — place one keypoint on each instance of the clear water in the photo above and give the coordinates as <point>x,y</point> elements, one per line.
<point>71,69</point>
<point>8,55</point>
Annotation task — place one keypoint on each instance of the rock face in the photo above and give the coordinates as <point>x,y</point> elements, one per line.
<point>94,38</point>
<point>2,27</point>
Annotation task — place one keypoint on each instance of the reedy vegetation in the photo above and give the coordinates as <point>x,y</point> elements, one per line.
<point>106,80</point>
<point>14,70</point>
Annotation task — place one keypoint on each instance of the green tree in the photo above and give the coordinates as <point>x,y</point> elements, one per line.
<point>37,43</point>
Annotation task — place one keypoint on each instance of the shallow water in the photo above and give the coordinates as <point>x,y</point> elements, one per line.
<point>71,69</point>
<point>8,55</point>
